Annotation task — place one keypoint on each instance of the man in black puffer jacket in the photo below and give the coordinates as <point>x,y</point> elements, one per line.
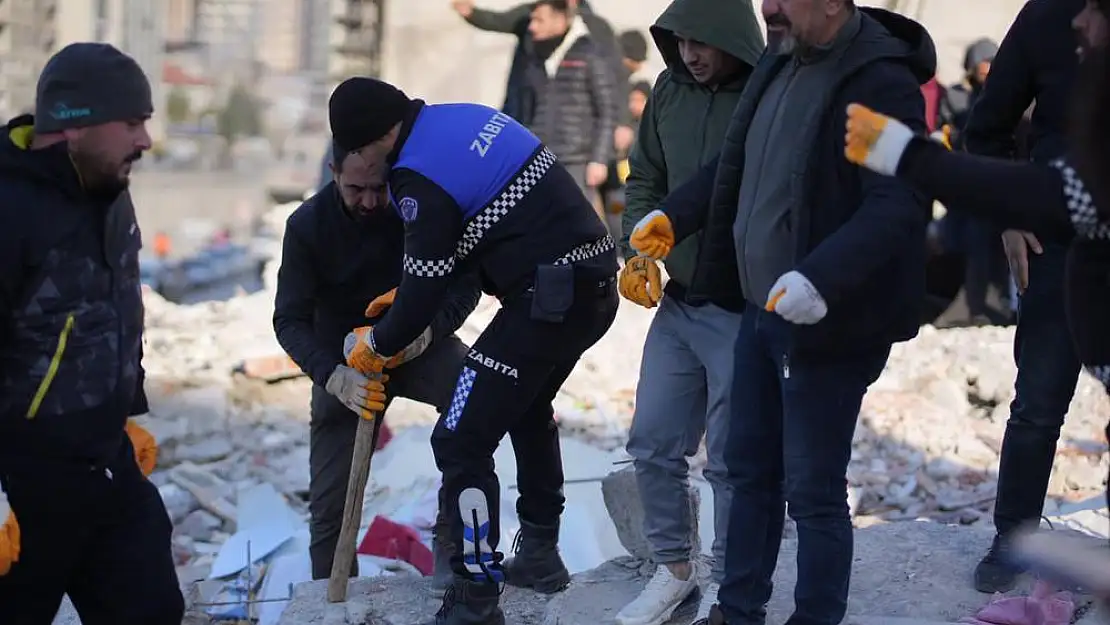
<point>71,326</point>
<point>575,111</point>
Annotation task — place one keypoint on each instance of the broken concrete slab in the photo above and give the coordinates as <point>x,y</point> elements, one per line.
<point>621,494</point>
<point>396,600</point>
<point>905,570</point>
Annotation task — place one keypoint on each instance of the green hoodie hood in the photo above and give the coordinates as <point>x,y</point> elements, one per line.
<point>685,122</point>
<point>728,25</point>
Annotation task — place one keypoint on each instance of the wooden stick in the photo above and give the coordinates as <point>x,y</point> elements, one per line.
<point>365,438</point>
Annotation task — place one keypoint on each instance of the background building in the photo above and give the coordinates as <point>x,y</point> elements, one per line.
<point>26,41</point>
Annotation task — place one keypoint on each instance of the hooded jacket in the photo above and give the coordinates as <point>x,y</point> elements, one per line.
<point>858,234</point>
<point>959,99</point>
<point>71,309</point>
<point>684,122</point>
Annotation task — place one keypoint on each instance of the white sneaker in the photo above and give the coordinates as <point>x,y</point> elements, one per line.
<point>708,599</point>
<point>658,601</point>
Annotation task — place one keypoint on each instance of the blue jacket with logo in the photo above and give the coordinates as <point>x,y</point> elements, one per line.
<point>71,308</point>
<point>478,190</point>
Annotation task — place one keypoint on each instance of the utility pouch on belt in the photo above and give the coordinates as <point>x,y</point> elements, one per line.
<point>552,293</point>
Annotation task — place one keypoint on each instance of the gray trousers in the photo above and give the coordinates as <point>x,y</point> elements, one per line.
<point>430,379</point>
<point>684,392</point>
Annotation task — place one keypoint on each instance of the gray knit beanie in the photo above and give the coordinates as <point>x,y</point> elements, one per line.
<point>86,84</point>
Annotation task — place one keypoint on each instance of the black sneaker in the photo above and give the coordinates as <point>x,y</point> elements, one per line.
<point>716,617</point>
<point>994,573</point>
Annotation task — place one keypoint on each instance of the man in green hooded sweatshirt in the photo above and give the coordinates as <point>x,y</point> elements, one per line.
<point>710,48</point>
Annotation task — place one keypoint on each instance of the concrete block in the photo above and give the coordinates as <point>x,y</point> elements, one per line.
<point>622,500</point>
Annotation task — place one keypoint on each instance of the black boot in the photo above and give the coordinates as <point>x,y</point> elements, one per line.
<point>537,563</point>
<point>468,602</point>
<point>994,572</point>
<point>442,550</point>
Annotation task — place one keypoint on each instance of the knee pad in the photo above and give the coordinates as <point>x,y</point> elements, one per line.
<point>478,558</point>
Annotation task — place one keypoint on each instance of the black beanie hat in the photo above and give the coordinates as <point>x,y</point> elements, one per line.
<point>362,110</point>
<point>633,45</point>
<point>86,84</point>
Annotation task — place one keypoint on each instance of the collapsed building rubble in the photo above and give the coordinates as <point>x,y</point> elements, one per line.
<point>926,447</point>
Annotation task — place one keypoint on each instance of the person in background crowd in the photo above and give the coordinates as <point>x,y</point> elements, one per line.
<point>162,245</point>
<point>685,387</point>
<point>830,262</point>
<point>575,97</point>
<point>612,192</point>
<point>983,300</point>
<point>529,57</point>
<point>343,248</point>
<point>1036,62</point>
<point>78,515</point>
<point>932,92</point>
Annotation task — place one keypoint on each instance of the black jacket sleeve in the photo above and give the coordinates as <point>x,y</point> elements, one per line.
<point>603,94</point>
<point>511,21</point>
<point>294,305</point>
<point>139,403</point>
<point>432,231</point>
<point>1008,92</point>
<point>462,299</point>
<point>688,206</point>
<point>1020,195</point>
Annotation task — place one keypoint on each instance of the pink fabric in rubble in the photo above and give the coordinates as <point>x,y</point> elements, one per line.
<point>1043,607</point>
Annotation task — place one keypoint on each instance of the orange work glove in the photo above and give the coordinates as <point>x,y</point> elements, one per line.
<point>380,303</point>
<point>9,535</point>
<point>146,448</point>
<point>653,235</point>
<point>359,354</point>
<point>363,394</point>
<point>641,282</point>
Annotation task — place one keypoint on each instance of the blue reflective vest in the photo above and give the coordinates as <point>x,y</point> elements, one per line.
<point>471,151</point>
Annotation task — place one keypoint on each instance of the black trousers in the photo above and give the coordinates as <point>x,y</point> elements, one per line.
<point>510,378</point>
<point>428,379</point>
<point>97,533</point>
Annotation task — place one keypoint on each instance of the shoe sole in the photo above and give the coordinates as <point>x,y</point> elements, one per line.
<point>477,554</point>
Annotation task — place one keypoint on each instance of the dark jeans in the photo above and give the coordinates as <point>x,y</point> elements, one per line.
<point>511,376</point>
<point>428,379</point>
<point>1048,369</point>
<point>97,533</point>
<point>789,442</point>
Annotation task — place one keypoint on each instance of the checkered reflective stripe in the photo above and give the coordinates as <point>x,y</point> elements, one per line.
<point>492,213</point>
<point>1081,207</point>
<point>587,251</point>
<point>425,268</point>
<point>463,386</point>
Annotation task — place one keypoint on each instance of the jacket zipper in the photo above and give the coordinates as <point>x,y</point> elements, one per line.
<point>52,370</point>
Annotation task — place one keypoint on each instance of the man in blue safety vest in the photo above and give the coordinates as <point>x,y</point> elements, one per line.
<point>478,191</point>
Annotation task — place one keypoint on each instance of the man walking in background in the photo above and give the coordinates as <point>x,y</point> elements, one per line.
<point>342,249</point>
<point>71,313</point>
<point>528,57</point>
<point>685,387</point>
<point>576,96</point>
<point>1036,63</point>
<point>829,260</point>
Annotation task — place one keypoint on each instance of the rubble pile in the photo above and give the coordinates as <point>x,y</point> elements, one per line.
<point>931,430</point>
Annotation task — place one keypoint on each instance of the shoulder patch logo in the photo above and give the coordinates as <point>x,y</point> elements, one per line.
<point>408,208</point>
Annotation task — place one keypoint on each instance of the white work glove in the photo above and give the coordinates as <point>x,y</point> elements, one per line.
<point>795,299</point>
<point>874,140</point>
<point>363,395</point>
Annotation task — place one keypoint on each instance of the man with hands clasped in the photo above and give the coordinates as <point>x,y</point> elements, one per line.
<point>829,261</point>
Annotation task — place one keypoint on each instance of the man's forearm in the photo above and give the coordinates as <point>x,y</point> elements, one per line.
<point>461,301</point>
